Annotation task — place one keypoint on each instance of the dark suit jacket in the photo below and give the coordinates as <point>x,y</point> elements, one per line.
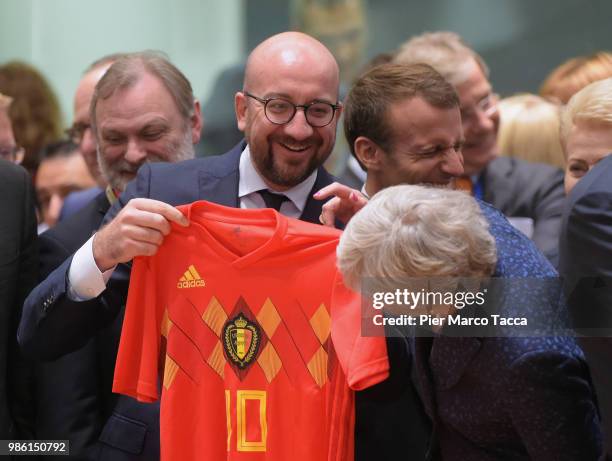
<point>77,200</point>
<point>586,266</point>
<point>74,398</point>
<point>531,190</point>
<point>18,266</point>
<point>516,398</point>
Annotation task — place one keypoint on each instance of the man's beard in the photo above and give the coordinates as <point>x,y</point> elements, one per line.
<point>281,176</point>
<point>120,173</point>
<point>286,174</point>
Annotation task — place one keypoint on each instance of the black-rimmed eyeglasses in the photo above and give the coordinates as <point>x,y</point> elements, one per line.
<point>280,111</point>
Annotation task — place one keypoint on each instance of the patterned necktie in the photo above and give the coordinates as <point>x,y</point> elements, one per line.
<point>464,183</point>
<point>272,200</point>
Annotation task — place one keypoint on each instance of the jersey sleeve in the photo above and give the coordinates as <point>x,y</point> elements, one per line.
<point>363,359</point>
<point>136,369</point>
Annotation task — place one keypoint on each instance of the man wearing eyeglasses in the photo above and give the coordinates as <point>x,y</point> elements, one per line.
<point>288,109</point>
<point>530,195</point>
<point>80,133</point>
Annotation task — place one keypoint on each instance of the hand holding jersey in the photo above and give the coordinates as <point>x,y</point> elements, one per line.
<point>138,230</point>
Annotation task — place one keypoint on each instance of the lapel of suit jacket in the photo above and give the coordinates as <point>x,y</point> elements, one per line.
<point>102,203</point>
<point>218,182</point>
<point>313,207</point>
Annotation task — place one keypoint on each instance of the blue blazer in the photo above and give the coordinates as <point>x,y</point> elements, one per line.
<point>516,398</point>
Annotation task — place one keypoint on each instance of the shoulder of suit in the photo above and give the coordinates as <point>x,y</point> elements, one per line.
<point>515,165</point>
<point>216,165</point>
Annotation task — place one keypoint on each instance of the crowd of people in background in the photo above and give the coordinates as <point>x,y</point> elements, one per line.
<point>444,178</point>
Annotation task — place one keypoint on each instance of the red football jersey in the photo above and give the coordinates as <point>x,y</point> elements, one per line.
<point>258,338</point>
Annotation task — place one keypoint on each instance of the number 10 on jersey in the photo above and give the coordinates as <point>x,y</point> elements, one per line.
<point>249,408</point>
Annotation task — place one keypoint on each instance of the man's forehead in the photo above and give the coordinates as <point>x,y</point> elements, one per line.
<point>296,85</point>
<point>292,60</point>
<point>146,98</point>
<point>419,120</point>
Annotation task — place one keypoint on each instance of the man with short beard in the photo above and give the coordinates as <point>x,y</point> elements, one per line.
<point>288,109</point>
<point>153,118</point>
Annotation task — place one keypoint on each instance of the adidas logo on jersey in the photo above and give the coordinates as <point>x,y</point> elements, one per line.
<point>191,279</point>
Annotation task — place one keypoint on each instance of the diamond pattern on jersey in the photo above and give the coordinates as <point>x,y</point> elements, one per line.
<point>295,343</point>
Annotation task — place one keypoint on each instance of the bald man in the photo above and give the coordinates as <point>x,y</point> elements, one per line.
<point>283,151</point>
<point>80,131</point>
<point>288,110</point>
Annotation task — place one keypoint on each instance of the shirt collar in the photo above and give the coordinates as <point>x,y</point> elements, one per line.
<point>250,182</point>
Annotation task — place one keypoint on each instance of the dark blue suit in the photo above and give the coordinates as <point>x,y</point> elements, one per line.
<point>586,266</point>
<point>494,398</point>
<point>52,325</point>
<point>76,201</point>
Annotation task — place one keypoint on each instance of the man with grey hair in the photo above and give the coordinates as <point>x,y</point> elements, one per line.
<point>142,110</point>
<point>531,195</point>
